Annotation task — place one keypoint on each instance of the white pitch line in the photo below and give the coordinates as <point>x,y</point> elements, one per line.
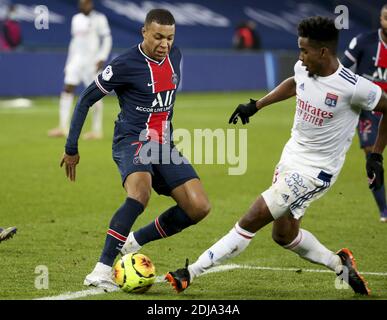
<point>222,268</point>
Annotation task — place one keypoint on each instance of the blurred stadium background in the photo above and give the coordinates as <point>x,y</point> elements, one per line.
<point>205,32</point>
<point>62,226</point>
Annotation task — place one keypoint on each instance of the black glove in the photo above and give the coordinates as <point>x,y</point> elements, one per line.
<point>244,111</point>
<point>375,171</point>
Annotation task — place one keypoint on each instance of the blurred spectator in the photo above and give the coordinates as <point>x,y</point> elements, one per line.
<point>10,31</point>
<point>246,37</point>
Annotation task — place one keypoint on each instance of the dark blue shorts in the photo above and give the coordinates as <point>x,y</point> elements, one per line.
<point>169,168</point>
<point>367,128</point>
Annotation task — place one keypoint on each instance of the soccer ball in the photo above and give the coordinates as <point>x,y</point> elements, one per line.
<point>134,272</point>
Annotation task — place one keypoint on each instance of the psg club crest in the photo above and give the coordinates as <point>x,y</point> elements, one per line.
<point>331,100</point>
<point>175,78</point>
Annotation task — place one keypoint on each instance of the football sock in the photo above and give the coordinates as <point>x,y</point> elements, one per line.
<point>308,247</point>
<point>229,246</point>
<point>119,229</point>
<point>380,198</point>
<point>167,224</point>
<point>97,112</point>
<point>65,104</point>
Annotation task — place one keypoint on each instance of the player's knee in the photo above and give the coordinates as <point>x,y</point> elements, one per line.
<point>281,238</point>
<point>200,208</point>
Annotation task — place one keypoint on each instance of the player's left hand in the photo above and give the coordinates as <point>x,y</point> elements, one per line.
<point>100,65</point>
<point>244,111</point>
<point>70,163</point>
<point>375,171</point>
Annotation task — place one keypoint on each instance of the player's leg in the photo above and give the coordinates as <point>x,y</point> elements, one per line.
<point>96,110</point>
<point>175,177</point>
<point>71,81</point>
<point>192,206</point>
<point>367,130</point>
<point>137,183</point>
<point>65,103</point>
<point>287,233</point>
<point>232,244</point>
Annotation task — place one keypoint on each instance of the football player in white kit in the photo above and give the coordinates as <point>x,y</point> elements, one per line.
<point>89,49</point>
<point>329,99</point>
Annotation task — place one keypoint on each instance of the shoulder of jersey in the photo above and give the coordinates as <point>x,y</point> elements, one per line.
<point>366,37</point>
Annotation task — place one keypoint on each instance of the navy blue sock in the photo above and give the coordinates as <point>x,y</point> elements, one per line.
<point>167,224</point>
<point>380,197</point>
<point>119,229</point>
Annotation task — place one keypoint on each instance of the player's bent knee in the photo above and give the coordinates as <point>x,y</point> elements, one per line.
<point>281,238</point>
<point>199,210</point>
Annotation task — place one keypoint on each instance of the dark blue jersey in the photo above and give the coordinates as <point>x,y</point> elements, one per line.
<point>146,90</point>
<point>369,52</point>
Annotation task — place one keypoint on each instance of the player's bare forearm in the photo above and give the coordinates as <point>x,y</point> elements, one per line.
<point>381,140</point>
<point>283,91</point>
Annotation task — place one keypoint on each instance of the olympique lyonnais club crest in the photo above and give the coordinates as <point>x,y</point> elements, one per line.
<point>175,78</point>
<point>331,100</point>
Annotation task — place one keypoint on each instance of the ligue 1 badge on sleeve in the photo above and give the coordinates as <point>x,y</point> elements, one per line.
<point>107,73</point>
<point>175,78</point>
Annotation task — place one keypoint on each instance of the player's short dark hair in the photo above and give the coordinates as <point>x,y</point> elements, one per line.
<point>321,31</point>
<point>161,16</point>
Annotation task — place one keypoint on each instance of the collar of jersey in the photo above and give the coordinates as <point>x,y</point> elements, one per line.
<point>381,39</point>
<point>148,58</point>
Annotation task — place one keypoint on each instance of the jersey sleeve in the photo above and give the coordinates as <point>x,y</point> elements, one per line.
<point>366,94</point>
<point>112,77</point>
<point>353,52</point>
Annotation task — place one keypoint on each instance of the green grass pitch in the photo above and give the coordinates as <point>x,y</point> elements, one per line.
<point>62,225</point>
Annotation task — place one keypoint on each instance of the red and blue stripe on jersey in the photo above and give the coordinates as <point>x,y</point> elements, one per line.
<point>146,92</point>
<point>162,74</point>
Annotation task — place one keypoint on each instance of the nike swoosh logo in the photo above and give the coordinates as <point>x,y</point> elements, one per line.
<point>151,84</point>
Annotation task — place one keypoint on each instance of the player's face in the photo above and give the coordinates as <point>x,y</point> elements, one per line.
<point>85,6</point>
<point>310,56</point>
<point>383,21</point>
<point>158,40</point>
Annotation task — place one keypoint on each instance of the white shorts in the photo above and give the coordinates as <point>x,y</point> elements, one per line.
<point>76,72</point>
<point>294,191</point>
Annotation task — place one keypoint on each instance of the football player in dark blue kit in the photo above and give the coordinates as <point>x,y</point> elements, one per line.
<point>368,52</point>
<point>145,79</point>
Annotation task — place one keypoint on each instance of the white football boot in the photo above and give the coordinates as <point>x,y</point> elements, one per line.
<point>101,277</point>
<point>130,245</point>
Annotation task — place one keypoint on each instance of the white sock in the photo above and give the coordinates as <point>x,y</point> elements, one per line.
<point>97,111</point>
<point>308,247</point>
<point>102,268</point>
<point>65,104</point>
<point>229,246</point>
<point>131,245</point>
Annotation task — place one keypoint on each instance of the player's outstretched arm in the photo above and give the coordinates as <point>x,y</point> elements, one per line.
<point>283,91</point>
<point>71,157</point>
<point>374,166</point>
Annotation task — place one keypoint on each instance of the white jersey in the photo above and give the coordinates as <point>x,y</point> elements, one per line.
<point>327,112</point>
<point>91,39</point>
